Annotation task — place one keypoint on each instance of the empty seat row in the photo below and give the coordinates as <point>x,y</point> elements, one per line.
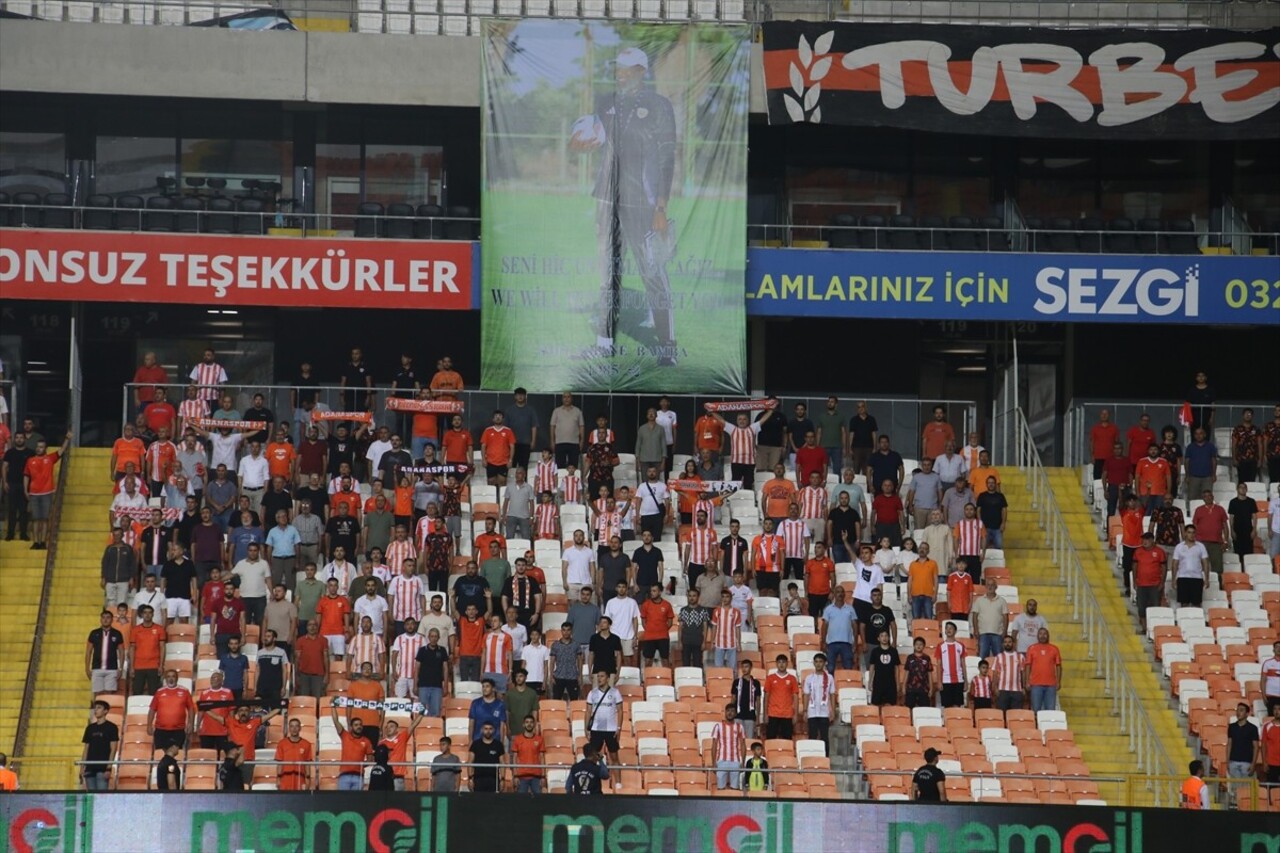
<point>427,221</point>
<point>186,214</point>
<point>1116,236</point>
<point>905,232</point>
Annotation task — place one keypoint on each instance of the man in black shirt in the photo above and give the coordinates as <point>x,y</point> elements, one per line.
<point>733,551</point>
<point>405,384</point>
<point>168,774</point>
<point>605,649</point>
<point>178,583</point>
<point>273,671</point>
<point>993,510</point>
<point>104,656</point>
<point>355,375</point>
<point>797,427</point>
<point>695,627</point>
<point>14,464</point>
<point>524,594</point>
<point>314,494</point>
<point>276,498</point>
<point>259,412</point>
<point>585,776</point>
<point>189,518</point>
<point>341,530</point>
<point>615,568</point>
<point>884,464</point>
<point>862,438</point>
<point>648,564</point>
<point>1241,511</point>
<point>342,448</point>
<point>927,786</point>
<point>381,775</point>
<point>433,672</point>
<point>771,439</point>
<point>486,758</point>
<point>1244,748</point>
<point>844,529</point>
<point>396,457</point>
<point>879,618</point>
<point>231,771</point>
<point>101,738</point>
<point>748,699</point>
<point>472,588</point>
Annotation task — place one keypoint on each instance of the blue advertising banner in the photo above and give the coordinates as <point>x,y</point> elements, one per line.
<point>1211,289</point>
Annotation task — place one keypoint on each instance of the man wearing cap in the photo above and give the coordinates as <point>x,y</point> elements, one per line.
<point>635,130</point>
<point>1149,576</point>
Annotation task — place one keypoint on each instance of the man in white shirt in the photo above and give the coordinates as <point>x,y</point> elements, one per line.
<point>372,605</point>
<point>1026,626</point>
<point>604,709</point>
<point>128,498</point>
<point>255,579</point>
<point>380,445</point>
<point>578,563</point>
<point>949,467</point>
<point>338,569</point>
<point>625,613</point>
<point>655,502</point>
<point>150,595</point>
<point>1192,576</point>
<point>867,576</point>
<point>254,473</point>
<point>1273,548</point>
<point>535,657</point>
<point>819,690</point>
<point>224,445</point>
<point>666,419</point>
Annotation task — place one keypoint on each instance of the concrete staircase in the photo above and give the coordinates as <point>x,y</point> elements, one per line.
<point>61,699</point>
<point>1105,748</point>
<point>20,603</point>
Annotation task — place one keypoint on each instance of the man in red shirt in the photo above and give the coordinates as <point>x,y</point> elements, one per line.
<point>1149,575</point>
<point>1140,437</point>
<point>1153,478</point>
<point>1117,477</point>
<point>656,618</point>
<point>1210,522</point>
<point>887,514</point>
<point>497,444</point>
<point>811,459</point>
<point>708,434</point>
<point>171,714</point>
<point>818,573</point>
<point>39,484</point>
<point>213,729</point>
<point>160,413</point>
<point>936,434</point>
<point>1131,524</point>
<point>145,379</point>
<point>1102,437</point>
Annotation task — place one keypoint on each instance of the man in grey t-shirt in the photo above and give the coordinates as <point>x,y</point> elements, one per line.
<point>1026,626</point>
<point>568,431</point>
<point>924,494</point>
<point>446,769</point>
<point>523,421</point>
<point>584,615</point>
<point>517,506</point>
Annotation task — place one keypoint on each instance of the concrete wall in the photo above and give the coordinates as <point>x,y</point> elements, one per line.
<point>316,67</point>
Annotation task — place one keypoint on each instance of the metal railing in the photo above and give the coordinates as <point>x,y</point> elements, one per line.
<point>852,784</point>
<point>901,418</point>
<point>1081,415</point>
<point>1110,666</point>
<point>461,17</point>
<point>176,219</point>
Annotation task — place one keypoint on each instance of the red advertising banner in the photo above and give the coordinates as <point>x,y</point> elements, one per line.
<point>203,269</point>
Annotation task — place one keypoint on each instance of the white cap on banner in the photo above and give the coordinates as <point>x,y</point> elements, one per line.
<point>632,56</point>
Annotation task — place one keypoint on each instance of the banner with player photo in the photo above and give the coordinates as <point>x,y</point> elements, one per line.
<point>614,199</point>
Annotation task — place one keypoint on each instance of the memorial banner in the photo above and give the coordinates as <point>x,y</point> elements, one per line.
<point>213,270</point>
<point>1105,83</point>
<point>614,196</point>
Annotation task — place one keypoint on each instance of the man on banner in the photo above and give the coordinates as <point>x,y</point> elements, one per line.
<point>635,129</point>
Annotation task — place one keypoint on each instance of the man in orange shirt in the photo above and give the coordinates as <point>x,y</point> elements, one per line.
<point>242,731</point>
<point>367,687</point>
<point>1131,518</point>
<point>146,652</point>
<point>457,443</point>
<point>959,589</point>
<point>656,619</point>
<point>39,484</point>
<point>818,573</point>
<point>346,494</point>
<point>172,713</point>
<point>446,381</point>
<point>213,729</point>
<point>470,644</point>
<point>708,434</point>
<point>397,743</point>
<point>282,459</point>
<point>778,495</point>
<point>922,584</point>
<point>8,779</point>
<point>294,747</point>
<point>127,448</point>
<point>782,701</point>
<point>356,749</point>
<point>936,434</point>
<point>1153,478</point>
<point>1042,673</point>
<point>497,444</point>
<point>528,748</point>
<point>491,534</point>
<point>334,612</point>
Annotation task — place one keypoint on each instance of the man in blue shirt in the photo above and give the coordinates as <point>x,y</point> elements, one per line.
<point>488,708</point>
<point>1201,461</point>
<point>240,538</point>
<point>838,627</point>
<point>282,551</point>
<point>234,666</point>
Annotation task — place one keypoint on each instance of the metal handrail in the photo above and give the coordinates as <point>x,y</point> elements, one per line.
<point>1080,415</point>
<point>1145,743</point>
